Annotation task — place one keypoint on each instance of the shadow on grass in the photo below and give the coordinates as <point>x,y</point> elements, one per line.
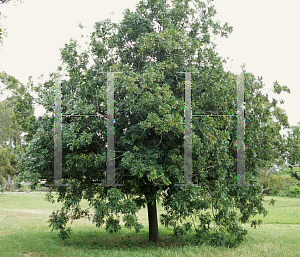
<point>90,240</point>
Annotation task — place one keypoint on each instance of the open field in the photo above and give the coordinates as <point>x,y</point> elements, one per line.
<point>25,232</point>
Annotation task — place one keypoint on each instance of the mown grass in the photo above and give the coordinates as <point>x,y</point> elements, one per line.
<point>25,232</point>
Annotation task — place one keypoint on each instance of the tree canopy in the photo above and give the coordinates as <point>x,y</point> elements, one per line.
<point>149,46</point>
<point>15,111</point>
<point>293,156</point>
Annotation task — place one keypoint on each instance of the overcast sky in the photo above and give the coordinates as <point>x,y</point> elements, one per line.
<point>265,37</point>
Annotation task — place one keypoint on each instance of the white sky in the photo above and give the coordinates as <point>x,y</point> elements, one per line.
<point>265,37</point>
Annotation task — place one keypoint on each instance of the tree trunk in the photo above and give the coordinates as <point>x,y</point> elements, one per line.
<point>152,220</point>
<point>8,183</point>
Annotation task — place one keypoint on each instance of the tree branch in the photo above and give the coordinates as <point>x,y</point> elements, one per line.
<point>264,189</point>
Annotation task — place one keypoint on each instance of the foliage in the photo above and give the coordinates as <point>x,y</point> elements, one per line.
<point>291,187</point>
<point>270,180</point>
<point>15,113</point>
<point>7,162</point>
<point>40,133</point>
<point>293,172</point>
<point>21,100</point>
<point>280,182</point>
<point>149,46</point>
<point>293,154</point>
<point>2,181</point>
<point>9,133</point>
<point>291,191</point>
<point>21,189</point>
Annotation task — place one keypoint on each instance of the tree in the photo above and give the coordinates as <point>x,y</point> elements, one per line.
<point>2,183</point>
<point>293,155</point>
<point>9,133</point>
<point>7,167</point>
<point>149,46</point>
<point>270,180</point>
<point>15,112</point>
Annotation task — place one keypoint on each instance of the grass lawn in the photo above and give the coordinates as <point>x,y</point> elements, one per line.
<point>25,232</point>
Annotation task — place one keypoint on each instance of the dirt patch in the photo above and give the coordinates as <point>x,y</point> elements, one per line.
<point>33,254</point>
<point>24,214</point>
<point>4,233</point>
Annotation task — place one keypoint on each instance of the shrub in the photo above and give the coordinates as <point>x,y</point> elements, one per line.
<point>291,189</point>
<point>295,191</point>
<point>21,189</point>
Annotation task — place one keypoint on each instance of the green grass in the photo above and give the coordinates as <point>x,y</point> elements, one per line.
<point>25,232</point>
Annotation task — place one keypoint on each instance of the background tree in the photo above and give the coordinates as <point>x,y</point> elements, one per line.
<point>9,132</point>
<point>294,172</point>
<point>149,46</point>
<point>21,100</point>
<point>290,171</point>
<point>15,113</point>
<point>2,183</point>
<point>293,155</point>
<point>270,180</point>
<point>7,167</point>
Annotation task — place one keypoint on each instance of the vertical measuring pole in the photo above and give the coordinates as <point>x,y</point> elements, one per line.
<point>240,131</point>
<point>110,162</point>
<point>188,131</point>
<point>57,132</point>
<point>188,172</point>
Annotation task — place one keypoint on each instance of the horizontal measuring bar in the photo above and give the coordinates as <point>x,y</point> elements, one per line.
<point>188,72</point>
<point>84,115</point>
<point>108,185</point>
<point>196,185</point>
<point>214,115</point>
<point>106,115</point>
<point>55,185</point>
